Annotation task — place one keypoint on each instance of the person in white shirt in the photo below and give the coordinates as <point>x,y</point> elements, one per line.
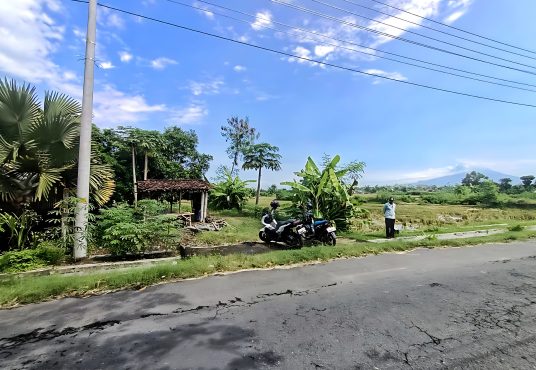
<point>389,213</point>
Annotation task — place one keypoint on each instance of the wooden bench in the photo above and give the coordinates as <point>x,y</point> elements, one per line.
<point>186,217</point>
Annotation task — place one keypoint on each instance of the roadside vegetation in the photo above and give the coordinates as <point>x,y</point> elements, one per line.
<point>38,167</point>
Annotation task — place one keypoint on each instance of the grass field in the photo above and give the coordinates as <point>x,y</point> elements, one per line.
<point>416,219</point>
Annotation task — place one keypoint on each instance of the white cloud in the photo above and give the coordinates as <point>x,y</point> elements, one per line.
<point>204,88</point>
<point>125,56</point>
<point>239,68</point>
<point>460,7</point>
<point>69,76</point>
<point>27,38</point>
<point>194,113</point>
<point>323,50</point>
<point>106,65</point>
<point>262,19</point>
<point>161,63</point>
<point>454,17</point>
<point>393,75</point>
<point>424,8</point>
<point>206,11</point>
<point>108,18</point>
<point>113,107</point>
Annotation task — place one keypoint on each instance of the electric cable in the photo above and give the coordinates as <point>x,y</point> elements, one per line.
<point>346,41</point>
<point>350,49</point>
<point>455,28</point>
<point>259,47</point>
<point>335,19</point>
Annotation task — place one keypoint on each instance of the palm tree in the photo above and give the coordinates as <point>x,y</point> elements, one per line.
<point>149,141</point>
<point>259,156</point>
<point>39,147</point>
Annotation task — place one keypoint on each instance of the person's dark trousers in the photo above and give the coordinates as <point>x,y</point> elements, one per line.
<point>389,228</point>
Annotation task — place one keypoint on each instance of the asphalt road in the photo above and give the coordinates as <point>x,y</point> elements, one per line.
<point>459,308</point>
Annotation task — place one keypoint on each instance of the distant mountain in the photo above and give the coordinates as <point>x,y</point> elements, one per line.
<point>457,178</point>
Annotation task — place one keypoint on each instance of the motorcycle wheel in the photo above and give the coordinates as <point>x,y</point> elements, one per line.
<point>295,240</point>
<point>330,239</point>
<point>263,236</point>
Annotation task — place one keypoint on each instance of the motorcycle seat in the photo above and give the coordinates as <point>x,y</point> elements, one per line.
<point>282,223</point>
<point>320,222</point>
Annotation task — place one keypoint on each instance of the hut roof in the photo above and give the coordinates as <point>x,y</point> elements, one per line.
<point>173,185</point>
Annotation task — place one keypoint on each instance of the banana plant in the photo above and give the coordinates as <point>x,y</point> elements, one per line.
<point>326,190</point>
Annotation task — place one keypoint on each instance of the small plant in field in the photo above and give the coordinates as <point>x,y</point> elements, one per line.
<point>516,228</point>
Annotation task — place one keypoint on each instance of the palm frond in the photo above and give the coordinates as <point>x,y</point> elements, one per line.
<point>18,109</point>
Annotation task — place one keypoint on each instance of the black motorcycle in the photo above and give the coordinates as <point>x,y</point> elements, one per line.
<point>280,231</point>
<point>317,230</point>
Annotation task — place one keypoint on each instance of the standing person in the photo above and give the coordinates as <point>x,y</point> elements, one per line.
<point>389,213</point>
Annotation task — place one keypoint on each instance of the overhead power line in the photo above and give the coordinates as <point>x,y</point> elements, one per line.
<point>335,19</point>
<point>454,28</point>
<point>345,48</point>
<point>344,41</point>
<point>435,29</point>
<point>420,34</point>
<point>259,47</point>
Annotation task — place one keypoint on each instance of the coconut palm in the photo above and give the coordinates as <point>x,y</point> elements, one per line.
<point>39,147</point>
<point>259,156</point>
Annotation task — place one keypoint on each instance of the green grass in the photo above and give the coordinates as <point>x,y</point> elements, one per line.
<point>240,229</point>
<point>23,290</point>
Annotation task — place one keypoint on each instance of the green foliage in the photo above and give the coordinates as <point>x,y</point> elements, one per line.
<point>240,135</point>
<point>124,229</point>
<point>473,178</point>
<point>259,156</point>
<point>527,180</point>
<point>39,147</point>
<point>45,255</point>
<point>19,228</point>
<point>231,192</point>
<point>50,252</point>
<point>172,154</point>
<point>63,217</point>
<point>326,191</point>
<point>517,227</point>
<point>505,184</point>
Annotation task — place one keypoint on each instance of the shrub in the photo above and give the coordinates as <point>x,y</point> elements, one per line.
<point>230,193</point>
<point>18,261</point>
<point>29,259</point>
<point>125,230</point>
<point>50,253</point>
<point>516,228</point>
<point>126,237</point>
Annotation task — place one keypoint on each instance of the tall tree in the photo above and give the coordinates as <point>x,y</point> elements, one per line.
<point>133,136</point>
<point>174,156</point>
<point>149,141</point>
<point>39,147</point>
<point>505,184</point>
<point>473,178</point>
<point>240,135</point>
<point>527,180</point>
<point>259,156</point>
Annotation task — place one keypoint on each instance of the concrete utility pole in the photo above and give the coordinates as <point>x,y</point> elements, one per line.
<point>84,156</point>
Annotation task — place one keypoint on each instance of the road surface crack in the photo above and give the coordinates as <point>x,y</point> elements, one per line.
<point>40,334</point>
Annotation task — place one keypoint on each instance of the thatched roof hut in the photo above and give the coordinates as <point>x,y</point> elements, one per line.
<point>195,190</point>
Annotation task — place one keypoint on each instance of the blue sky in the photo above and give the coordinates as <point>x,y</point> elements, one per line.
<point>153,76</point>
